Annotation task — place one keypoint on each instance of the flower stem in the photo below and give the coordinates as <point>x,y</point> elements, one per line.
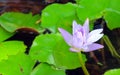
<point>111,47</point>
<point>82,64</point>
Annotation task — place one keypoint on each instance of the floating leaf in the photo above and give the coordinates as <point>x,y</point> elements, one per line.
<point>62,16</point>
<point>51,48</point>
<point>113,72</point>
<point>11,21</point>
<point>42,48</point>
<point>45,69</point>
<point>94,9</point>
<point>91,9</point>
<point>64,58</point>
<point>112,18</point>
<point>114,4</point>
<point>4,34</point>
<point>19,64</point>
<point>9,48</point>
<point>112,14</point>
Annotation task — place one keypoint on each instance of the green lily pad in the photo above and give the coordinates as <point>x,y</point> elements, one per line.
<point>112,72</point>
<point>62,16</point>
<point>109,17</point>
<point>19,64</point>
<point>4,34</point>
<point>12,21</point>
<point>112,14</point>
<point>9,48</point>
<point>51,48</point>
<point>91,9</point>
<point>94,9</point>
<point>45,69</point>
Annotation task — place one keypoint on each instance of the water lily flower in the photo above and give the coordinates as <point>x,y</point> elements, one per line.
<point>81,39</point>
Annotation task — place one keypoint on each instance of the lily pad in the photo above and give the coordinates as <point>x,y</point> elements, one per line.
<point>12,21</point>
<point>9,48</point>
<point>94,9</point>
<point>51,48</point>
<point>62,16</point>
<point>46,69</point>
<point>19,64</point>
<point>113,72</point>
<point>4,34</point>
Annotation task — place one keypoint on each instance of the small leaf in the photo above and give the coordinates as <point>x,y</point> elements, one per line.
<point>112,72</point>
<point>9,48</point>
<point>45,69</point>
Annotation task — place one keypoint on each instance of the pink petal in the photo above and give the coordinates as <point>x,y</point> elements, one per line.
<point>94,36</point>
<point>76,27</point>
<point>86,27</point>
<point>66,35</point>
<point>85,30</point>
<point>96,31</point>
<point>93,47</point>
<point>77,40</point>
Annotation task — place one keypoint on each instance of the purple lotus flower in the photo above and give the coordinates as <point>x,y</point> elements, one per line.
<point>81,39</point>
